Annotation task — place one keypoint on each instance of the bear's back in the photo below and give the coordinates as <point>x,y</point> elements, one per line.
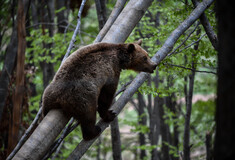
<point>87,61</point>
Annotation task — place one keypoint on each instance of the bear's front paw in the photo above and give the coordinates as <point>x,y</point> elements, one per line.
<point>110,115</point>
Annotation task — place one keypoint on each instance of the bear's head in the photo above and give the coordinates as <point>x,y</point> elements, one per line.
<point>138,58</point>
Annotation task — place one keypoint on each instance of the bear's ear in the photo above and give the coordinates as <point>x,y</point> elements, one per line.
<point>130,48</point>
<point>139,42</point>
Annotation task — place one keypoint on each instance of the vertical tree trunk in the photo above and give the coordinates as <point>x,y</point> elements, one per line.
<point>47,15</point>
<point>61,18</point>
<point>189,97</point>
<point>142,121</point>
<point>225,107</point>
<point>116,142</point>
<point>101,12</point>
<point>171,104</point>
<point>164,131</point>
<point>8,67</point>
<point>155,122</point>
<point>208,146</point>
<point>18,94</point>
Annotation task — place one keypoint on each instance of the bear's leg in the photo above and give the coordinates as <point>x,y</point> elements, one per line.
<point>104,102</point>
<point>89,129</point>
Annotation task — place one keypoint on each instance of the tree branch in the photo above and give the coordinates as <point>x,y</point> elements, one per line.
<point>174,65</point>
<point>208,28</point>
<point>77,30</point>
<point>184,40</point>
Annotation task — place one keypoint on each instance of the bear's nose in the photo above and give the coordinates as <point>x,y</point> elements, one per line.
<point>154,66</point>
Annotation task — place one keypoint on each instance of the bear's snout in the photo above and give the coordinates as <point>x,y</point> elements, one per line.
<point>153,66</point>
<point>150,67</point>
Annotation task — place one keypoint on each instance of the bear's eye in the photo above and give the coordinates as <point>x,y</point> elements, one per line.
<point>145,58</point>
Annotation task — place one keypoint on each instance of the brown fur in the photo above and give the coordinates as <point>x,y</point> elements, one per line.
<point>89,78</point>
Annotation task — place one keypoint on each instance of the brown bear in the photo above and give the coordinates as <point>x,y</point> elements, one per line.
<point>89,77</point>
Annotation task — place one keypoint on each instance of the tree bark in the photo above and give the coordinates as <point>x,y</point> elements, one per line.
<point>155,121</point>
<point>8,67</point>
<point>61,18</point>
<point>189,96</point>
<point>101,12</point>
<point>208,28</point>
<point>142,121</point>
<point>19,91</point>
<point>116,142</point>
<point>113,16</point>
<point>164,131</point>
<point>47,11</point>
<point>225,107</point>
<point>43,136</point>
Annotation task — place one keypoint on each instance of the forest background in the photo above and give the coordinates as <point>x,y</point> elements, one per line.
<point>171,115</point>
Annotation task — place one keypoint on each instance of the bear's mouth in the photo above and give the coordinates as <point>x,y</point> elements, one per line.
<point>150,69</point>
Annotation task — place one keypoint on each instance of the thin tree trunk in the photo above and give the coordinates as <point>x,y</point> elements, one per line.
<point>142,121</point>
<point>116,142</point>
<point>61,18</point>
<point>171,104</point>
<point>98,148</point>
<point>19,91</point>
<point>189,97</point>
<point>225,107</point>
<point>164,131</point>
<point>208,146</point>
<point>186,142</point>
<point>8,67</point>
<point>101,12</point>
<point>207,26</point>
<point>155,122</point>
<point>47,11</point>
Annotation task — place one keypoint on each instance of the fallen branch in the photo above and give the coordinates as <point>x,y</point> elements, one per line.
<point>140,78</point>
